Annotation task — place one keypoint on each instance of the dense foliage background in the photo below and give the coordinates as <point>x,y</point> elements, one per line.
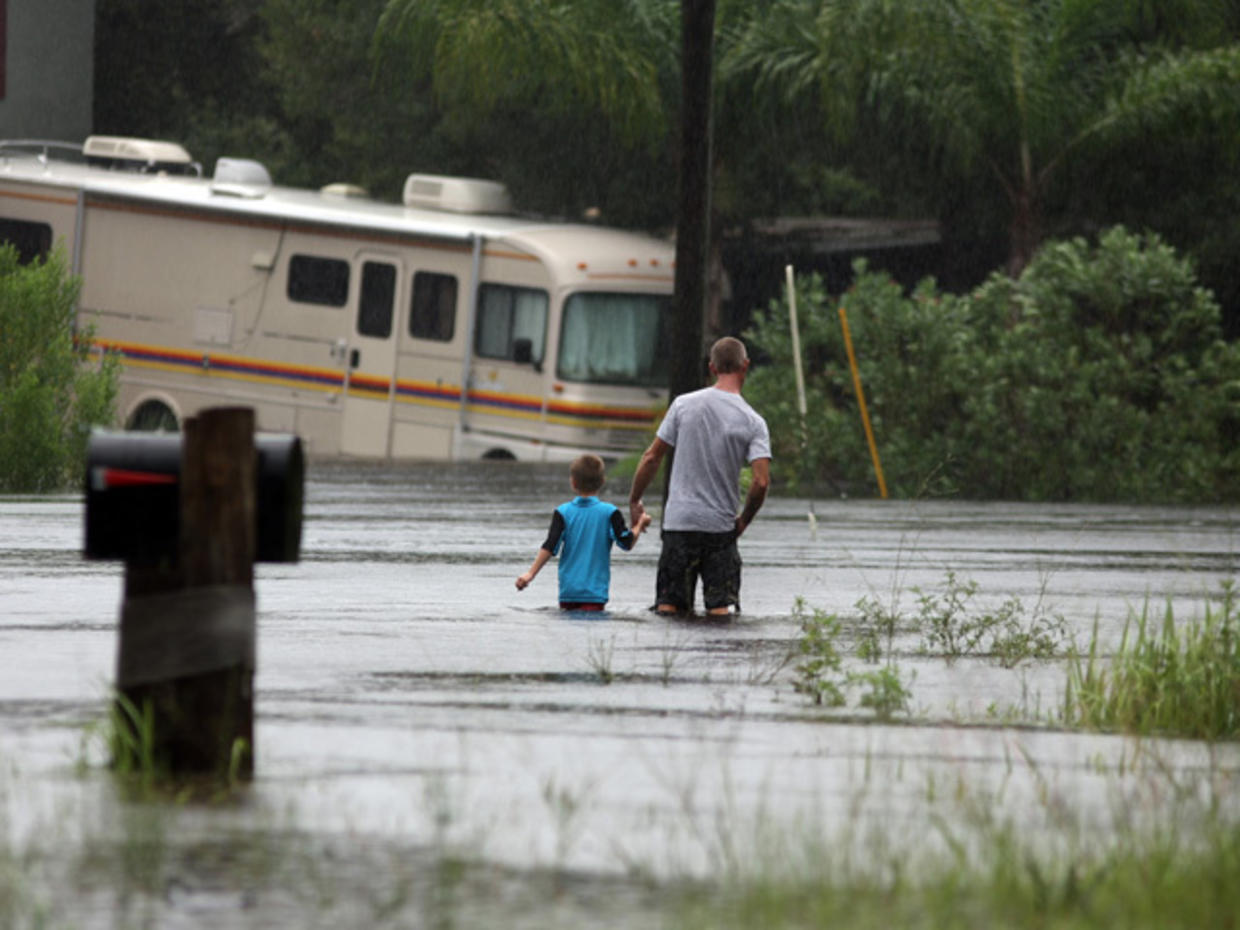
<point>1041,361</point>
<point>1007,122</point>
<point>1100,374</point>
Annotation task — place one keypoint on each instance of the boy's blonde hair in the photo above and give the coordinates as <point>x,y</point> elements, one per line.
<point>587,473</point>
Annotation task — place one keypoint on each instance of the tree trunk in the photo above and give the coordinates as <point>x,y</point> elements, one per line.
<point>1024,233</point>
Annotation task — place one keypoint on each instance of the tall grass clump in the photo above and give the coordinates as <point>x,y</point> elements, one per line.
<point>1168,678</point>
<point>128,741</point>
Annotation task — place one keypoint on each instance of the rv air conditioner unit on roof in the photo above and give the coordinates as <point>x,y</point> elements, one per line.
<point>137,152</point>
<point>240,177</point>
<point>456,195</point>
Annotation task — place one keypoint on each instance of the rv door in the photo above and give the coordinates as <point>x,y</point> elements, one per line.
<point>371,357</point>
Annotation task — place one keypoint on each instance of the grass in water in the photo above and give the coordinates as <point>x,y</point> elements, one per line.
<point>1167,881</point>
<point>1175,679</point>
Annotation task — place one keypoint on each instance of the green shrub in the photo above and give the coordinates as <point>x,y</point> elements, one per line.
<point>1101,374</point>
<point>50,391</point>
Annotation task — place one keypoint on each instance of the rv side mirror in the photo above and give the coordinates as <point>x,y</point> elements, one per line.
<point>523,351</point>
<point>133,495</point>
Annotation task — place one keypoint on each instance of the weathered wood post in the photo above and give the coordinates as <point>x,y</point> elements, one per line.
<point>187,633</point>
<point>186,652</point>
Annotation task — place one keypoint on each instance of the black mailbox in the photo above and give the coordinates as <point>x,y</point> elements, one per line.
<point>133,507</point>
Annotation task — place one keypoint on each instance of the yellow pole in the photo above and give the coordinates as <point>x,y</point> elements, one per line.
<point>865,416</point>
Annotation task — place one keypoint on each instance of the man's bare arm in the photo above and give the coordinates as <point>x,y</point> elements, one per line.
<point>647,468</point>
<point>758,487</point>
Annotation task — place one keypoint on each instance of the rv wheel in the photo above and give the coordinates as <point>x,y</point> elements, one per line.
<point>153,416</point>
<point>499,455</point>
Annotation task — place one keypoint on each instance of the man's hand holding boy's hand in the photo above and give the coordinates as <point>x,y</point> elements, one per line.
<point>642,522</point>
<point>637,510</point>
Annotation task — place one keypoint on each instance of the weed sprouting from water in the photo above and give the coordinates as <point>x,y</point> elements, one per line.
<point>945,623</point>
<point>126,736</point>
<point>950,628</point>
<point>1178,679</point>
<point>820,673</point>
<point>1008,634</point>
<point>876,629</point>
<point>885,691</point>
<point>566,807</point>
<point>599,657</point>
<point>130,738</point>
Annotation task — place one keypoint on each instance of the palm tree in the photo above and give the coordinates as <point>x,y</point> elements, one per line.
<point>614,58</point>
<point>1012,87</point>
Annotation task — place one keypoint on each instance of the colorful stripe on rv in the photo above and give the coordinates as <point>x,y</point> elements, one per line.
<point>420,393</point>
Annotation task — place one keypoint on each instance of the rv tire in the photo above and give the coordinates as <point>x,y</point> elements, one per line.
<point>153,416</point>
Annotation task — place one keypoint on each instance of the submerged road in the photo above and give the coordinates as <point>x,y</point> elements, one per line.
<point>407,694</point>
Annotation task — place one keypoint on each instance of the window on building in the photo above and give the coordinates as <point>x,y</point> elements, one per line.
<point>314,280</point>
<point>512,321</point>
<point>432,311</point>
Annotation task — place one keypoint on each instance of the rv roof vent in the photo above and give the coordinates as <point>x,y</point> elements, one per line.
<point>137,154</point>
<point>457,195</point>
<point>343,189</point>
<point>240,177</point>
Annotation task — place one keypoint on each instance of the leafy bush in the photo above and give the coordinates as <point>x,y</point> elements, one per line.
<point>50,392</point>
<point>1101,374</point>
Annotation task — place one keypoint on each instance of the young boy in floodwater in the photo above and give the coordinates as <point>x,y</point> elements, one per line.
<point>582,531</point>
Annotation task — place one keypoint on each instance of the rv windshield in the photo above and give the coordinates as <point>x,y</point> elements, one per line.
<point>614,339</point>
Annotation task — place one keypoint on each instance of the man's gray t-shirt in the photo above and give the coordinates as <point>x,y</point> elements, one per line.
<point>715,433</point>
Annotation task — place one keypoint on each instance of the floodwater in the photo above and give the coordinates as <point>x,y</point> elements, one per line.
<point>413,710</point>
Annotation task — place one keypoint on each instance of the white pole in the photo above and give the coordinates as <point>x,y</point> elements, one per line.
<point>796,366</point>
<point>796,346</point>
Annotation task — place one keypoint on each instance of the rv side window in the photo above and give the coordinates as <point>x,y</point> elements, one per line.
<point>432,314</point>
<point>313,280</point>
<point>508,317</point>
<point>374,313</point>
<point>32,240</point>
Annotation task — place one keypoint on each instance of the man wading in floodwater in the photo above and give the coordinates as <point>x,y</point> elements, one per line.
<point>714,432</point>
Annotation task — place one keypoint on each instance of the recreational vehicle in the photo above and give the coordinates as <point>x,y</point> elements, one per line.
<point>443,327</point>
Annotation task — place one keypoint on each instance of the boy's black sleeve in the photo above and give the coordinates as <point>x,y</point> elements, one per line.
<point>555,532</point>
<point>624,536</point>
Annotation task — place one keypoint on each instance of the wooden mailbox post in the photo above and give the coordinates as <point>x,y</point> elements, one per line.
<point>190,515</point>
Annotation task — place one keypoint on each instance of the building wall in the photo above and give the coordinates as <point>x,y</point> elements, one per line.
<point>46,69</point>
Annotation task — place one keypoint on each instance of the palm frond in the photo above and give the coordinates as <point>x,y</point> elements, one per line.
<point>1164,91</point>
<point>544,53</point>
